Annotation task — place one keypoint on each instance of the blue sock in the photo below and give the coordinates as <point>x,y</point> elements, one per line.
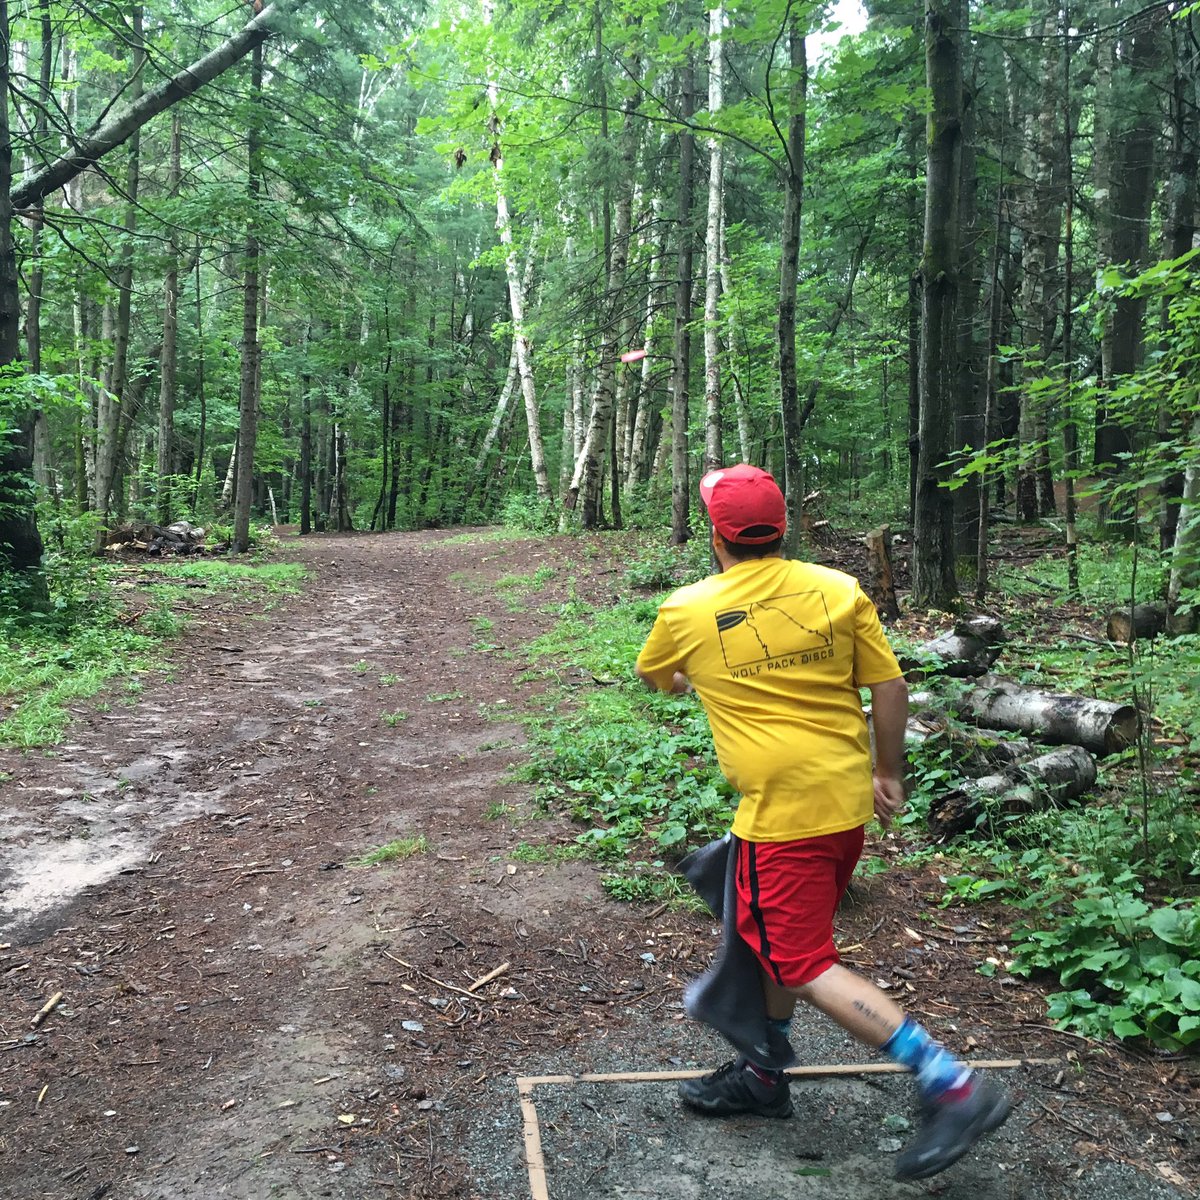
<point>782,1025</point>
<point>939,1074</point>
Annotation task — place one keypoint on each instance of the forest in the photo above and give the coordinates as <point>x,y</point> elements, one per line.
<point>489,285</point>
<point>380,266</point>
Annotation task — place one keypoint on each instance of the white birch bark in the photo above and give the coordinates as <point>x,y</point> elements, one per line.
<point>516,291</point>
<point>741,408</point>
<point>1185,558</point>
<point>713,449</point>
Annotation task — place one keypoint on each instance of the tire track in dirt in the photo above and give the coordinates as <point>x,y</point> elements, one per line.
<point>231,1024</point>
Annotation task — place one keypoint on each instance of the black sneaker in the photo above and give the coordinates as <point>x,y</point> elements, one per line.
<point>949,1128</point>
<point>735,1088</point>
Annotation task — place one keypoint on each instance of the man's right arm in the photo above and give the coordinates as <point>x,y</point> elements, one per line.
<point>889,715</point>
<point>658,665</point>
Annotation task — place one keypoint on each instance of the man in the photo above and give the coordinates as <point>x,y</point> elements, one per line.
<point>776,651</point>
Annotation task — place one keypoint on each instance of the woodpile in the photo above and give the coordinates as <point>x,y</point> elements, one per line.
<point>141,537</point>
<point>1010,768</point>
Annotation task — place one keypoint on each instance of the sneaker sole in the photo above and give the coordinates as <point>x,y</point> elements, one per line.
<point>719,1109</point>
<point>989,1121</point>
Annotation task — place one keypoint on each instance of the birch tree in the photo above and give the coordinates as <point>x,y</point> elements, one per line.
<point>713,450</point>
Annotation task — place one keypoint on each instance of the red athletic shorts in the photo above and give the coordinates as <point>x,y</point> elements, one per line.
<point>787,895</point>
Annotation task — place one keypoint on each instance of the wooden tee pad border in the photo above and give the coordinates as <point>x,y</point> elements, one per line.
<point>533,1136</point>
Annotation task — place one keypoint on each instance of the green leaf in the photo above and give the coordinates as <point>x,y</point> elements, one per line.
<point>1175,926</point>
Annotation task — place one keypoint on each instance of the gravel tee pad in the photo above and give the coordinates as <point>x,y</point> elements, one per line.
<point>637,1146</point>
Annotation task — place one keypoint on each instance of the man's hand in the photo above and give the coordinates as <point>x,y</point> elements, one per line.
<point>679,684</point>
<point>889,798</point>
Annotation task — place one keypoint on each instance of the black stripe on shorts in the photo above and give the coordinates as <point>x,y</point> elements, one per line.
<point>756,912</point>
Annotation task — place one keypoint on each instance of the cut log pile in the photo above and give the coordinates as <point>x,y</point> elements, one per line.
<point>144,538</point>
<point>1011,770</point>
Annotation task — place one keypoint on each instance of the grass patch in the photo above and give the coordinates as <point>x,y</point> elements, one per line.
<point>484,537</point>
<point>525,852</point>
<point>394,851</point>
<point>632,765</point>
<point>648,883</point>
<point>233,575</point>
<point>48,662</point>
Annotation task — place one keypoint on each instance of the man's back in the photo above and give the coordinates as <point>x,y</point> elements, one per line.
<point>777,650</point>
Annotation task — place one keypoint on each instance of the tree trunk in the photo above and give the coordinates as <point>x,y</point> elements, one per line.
<point>248,391</point>
<point>934,583</point>
<point>20,544</point>
<point>201,396</point>
<point>680,381</point>
<point>972,372</point>
<point>996,302</point>
<point>166,386</point>
<point>713,450</point>
<point>34,268</point>
<point>740,401</point>
<point>586,479</point>
<point>1179,231</point>
<point>1134,121</point>
<point>789,268</point>
<point>1185,557</point>
<point>112,391</point>
<point>1042,782</point>
<point>1097,725</point>
<point>516,290</point>
<point>1039,300</point>
<point>306,458</point>
<point>656,289</point>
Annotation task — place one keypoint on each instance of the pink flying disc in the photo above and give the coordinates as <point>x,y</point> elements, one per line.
<point>633,355</point>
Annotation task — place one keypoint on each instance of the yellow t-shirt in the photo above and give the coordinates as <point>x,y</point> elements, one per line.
<point>776,651</point>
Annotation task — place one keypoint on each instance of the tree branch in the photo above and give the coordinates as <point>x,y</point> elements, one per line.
<point>113,133</point>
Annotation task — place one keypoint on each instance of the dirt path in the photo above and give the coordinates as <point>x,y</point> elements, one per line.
<point>246,1013</point>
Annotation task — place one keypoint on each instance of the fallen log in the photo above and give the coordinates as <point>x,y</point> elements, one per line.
<point>972,751</point>
<point>1097,725</point>
<point>969,649</point>
<point>1140,621</point>
<point>1038,783</point>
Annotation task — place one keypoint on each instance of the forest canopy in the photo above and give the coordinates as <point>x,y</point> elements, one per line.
<point>392,265</point>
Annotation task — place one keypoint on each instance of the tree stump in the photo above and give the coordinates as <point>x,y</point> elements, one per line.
<point>969,649</point>
<point>883,583</point>
<point>1140,621</point>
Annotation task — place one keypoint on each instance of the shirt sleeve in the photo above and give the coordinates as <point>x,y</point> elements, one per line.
<point>874,661</point>
<point>660,657</point>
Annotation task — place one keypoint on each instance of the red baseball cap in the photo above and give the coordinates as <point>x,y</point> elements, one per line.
<point>744,498</point>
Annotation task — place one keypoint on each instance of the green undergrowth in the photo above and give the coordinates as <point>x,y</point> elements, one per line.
<point>635,767</point>
<point>52,660</point>
<point>228,575</point>
<point>1104,889</point>
<point>1101,893</point>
